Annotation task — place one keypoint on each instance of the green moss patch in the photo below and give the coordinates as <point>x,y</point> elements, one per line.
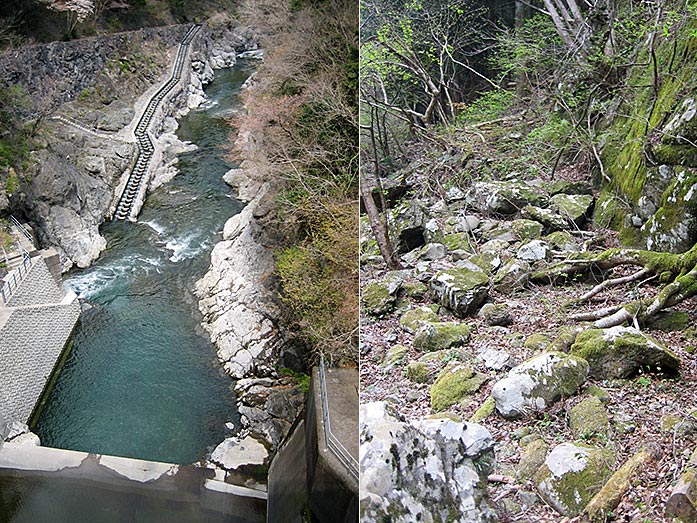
<point>442,335</point>
<point>453,384</point>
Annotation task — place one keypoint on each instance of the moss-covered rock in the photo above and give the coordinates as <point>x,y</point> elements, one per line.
<point>414,289</point>
<point>462,289</point>
<point>524,230</point>
<point>561,241</point>
<point>506,197</point>
<point>574,207</point>
<point>567,187</point>
<point>446,415</point>
<point>497,314</point>
<point>432,251</point>
<point>407,222</point>
<point>589,419</point>
<point>394,356</point>
<point>597,392</point>
<point>539,382</point>
<point>512,277</point>
<point>415,318</point>
<point>453,384</point>
<point>670,321</point>
<point>552,220</point>
<point>563,338</point>
<point>620,352</point>
<point>571,475</point>
<point>437,336</point>
<point>377,300</point>
<point>418,372</point>
<point>486,261</point>
<point>485,410</point>
<point>458,241</point>
<point>537,342</point>
<point>532,459</point>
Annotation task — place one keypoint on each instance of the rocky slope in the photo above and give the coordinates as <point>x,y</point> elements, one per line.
<point>469,332</point>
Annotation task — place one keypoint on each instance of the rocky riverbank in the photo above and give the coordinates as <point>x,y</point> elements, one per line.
<point>239,303</point>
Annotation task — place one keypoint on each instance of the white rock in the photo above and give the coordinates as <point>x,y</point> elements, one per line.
<point>234,453</point>
<point>533,251</point>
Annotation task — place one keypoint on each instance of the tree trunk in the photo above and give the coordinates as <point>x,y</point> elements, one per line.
<point>378,225</point>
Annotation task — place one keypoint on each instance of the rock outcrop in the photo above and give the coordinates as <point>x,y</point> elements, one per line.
<point>429,470</point>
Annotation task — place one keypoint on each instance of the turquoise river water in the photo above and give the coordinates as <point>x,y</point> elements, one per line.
<point>142,379</point>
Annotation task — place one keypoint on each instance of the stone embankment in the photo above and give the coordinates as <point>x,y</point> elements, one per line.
<point>37,317</point>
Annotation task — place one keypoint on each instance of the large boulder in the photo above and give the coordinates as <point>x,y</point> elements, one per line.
<point>453,384</point>
<point>620,352</point>
<point>408,222</point>
<point>538,383</point>
<point>506,197</point>
<point>432,470</point>
<point>571,475</point>
<point>462,289</point>
<point>574,207</point>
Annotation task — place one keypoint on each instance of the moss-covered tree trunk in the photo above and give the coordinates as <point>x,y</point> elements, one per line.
<point>677,272</point>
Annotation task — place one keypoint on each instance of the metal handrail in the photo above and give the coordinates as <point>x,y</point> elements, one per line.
<point>22,229</point>
<point>333,443</point>
<point>12,284</point>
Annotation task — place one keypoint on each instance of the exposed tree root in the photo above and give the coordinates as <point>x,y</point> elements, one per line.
<point>677,271</point>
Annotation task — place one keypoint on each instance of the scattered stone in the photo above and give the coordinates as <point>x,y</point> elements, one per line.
<point>394,356</point>
<point>454,194</point>
<point>589,418</point>
<point>462,289</point>
<point>377,299</point>
<point>413,396</point>
<point>563,338</point>
<point>524,230</point>
<point>408,223</point>
<point>505,197</point>
<point>561,241</point>
<point>551,220</point>
<point>526,440</point>
<point>414,289</point>
<point>533,251</point>
<point>678,425</point>
<point>431,470</point>
<point>469,223</point>
<point>512,277</point>
<point>623,423</point>
<point>595,391</point>
<point>575,207</point>
<point>418,372</point>
<point>453,384</point>
<point>521,432</point>
<point>620,352</point>
<point>412,320</point>
<point>485,410</point>
<point>571,475</point>
<point>537,342</point>
<point>495,359</point>
<point>432,251</point>
<point>566,187</point>
<point>498,314</point>
<point>494,247</point>
<point>458,241</point>
<point>442,335</point>
<point>247,455</point>
<point>538,383</point>
<point>682,502</point>
<point>532,459</point>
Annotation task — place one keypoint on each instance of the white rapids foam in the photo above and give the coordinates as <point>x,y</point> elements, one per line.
<point>95,281</point>
<point>159,229</point>
<point>186,247</point>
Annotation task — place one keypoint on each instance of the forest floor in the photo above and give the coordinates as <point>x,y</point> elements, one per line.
<point>637,407</point>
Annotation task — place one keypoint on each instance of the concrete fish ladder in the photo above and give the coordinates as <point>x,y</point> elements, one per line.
<point>133,193</point>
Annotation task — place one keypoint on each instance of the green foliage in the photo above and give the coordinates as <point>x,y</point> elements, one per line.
<point>11,182</point>
<point>304,380</point>
<point>488,106</point>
